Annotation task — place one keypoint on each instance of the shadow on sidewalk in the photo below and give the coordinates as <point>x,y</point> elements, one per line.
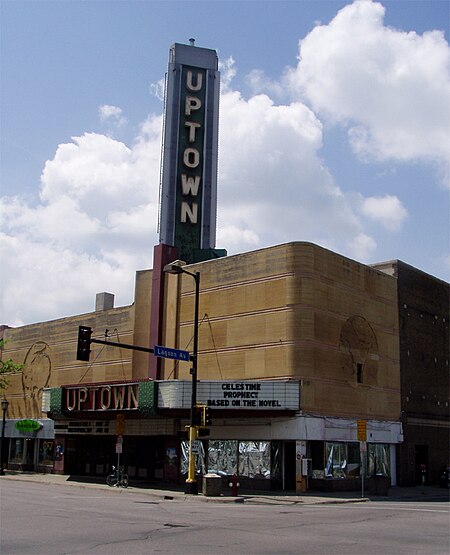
<point>399,494</point>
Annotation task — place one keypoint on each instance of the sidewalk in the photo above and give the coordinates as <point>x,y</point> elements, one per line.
<point>418,493</point>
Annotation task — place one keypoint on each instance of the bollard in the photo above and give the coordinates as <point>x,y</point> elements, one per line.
<point>423,470</point>
<point>234,485</point>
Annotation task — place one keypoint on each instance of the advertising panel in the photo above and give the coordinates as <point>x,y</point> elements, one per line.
<point>232,395</point>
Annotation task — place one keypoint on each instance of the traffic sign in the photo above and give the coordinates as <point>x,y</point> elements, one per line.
<point>120,424</point>
<point>196,447</point>
<point>167,352</point>
<point>362,430</point>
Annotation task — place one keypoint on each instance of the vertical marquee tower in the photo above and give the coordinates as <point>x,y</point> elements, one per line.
<point>188,193</point>
<point>188,189</point>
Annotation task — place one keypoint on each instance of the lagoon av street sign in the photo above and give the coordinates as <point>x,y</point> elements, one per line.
<point>166,352</point>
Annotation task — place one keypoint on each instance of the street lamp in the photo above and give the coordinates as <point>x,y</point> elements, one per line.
<point>177,268</point>
<point>5,405</point>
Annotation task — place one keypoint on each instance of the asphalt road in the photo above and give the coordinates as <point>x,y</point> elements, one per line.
<point>59,519</point>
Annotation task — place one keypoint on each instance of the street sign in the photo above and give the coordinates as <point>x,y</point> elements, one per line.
<point>28,425</point>
<point>166,352</point>
<point>196,447</point>
<point>118,448</point>
<point>362,430</point>
<point>120,424</point>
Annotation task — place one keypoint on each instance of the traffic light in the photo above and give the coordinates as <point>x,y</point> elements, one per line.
<point>197,416</point>
<point>84,343</point>
<point>206,420</point>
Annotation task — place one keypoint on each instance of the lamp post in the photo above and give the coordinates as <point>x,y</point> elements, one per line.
<point>5,405</point>
<point>177,268</point>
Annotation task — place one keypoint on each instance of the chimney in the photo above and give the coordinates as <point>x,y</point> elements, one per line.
<point>104,301</point>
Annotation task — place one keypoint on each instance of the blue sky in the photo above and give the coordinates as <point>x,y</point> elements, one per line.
<point>334,128</point>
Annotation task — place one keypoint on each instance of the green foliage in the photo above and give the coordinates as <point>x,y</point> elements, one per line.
<point>7,367</point>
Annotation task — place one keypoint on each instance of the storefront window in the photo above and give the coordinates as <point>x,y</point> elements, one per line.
<point>222,457</point>
<point>245,458</point>
<point>343,460</point>
<point>336,460</point>
<point>354,460</point>
<point>29,451</point>
<point>317,455</point>
<point>378,459</point>
<point>45,457</point>
<point>277,457</point>
<point>199,458</point>
<point>16,451</point>
<point>254,459</point>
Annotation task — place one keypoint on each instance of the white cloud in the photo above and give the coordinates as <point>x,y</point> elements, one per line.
<point>237,238</point>
<point>101,174</point>
<point>362,247</point>
<point>98,206</point>
<point>112,114</point>
<point>389,87</point>
<point>273,186</point>
<point>387,210</point>
<point>94,226</point>
<point>95,222</point>
<point>157,89</point>
<point>227,73</point>
<point>48,282</point>
<point>260,83</point>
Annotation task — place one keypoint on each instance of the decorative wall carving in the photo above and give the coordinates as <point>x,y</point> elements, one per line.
<point>36,376</point>
<point>359,342</point>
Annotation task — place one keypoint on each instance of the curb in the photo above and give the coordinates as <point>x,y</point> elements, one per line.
<point>165,495</point>
<point>253,499</point>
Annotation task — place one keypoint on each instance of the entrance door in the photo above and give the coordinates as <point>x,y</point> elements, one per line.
<point>29,455</point>
<point>89,455</point>
<point>289,465</point>
<point>144,457</point>
<point>421,463</point>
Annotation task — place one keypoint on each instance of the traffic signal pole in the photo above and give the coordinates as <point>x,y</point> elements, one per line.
<point>123,345</point>
<point>85,340</point>
<point>177,267</point>
<point>191,486</point>
<point>83,352</point>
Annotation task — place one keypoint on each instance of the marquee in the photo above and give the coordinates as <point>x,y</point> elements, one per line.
<point>273,395</point>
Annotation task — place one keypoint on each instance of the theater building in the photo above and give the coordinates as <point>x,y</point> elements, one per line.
<point>297,345</point>
<point>423,308</point>
<point>300,352</point>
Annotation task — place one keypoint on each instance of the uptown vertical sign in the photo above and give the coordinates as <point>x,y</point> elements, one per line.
<point>188,192</point>
<point>190,161</point>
